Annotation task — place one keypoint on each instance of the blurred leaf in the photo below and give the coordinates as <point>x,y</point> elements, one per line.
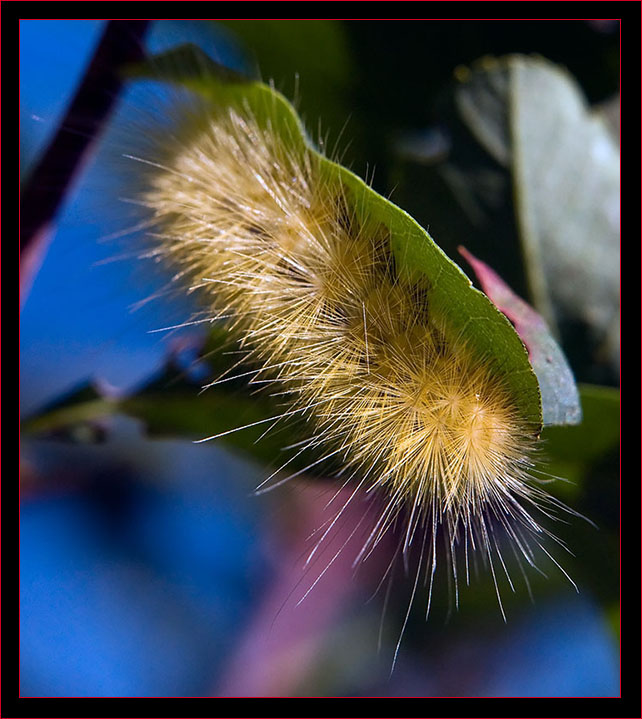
<point>567,186</point>
<point>609,113</point>
<point>183,64</point>
<point>170,405</point>
<point>560,400</point>
<point>81,406</point>
<point>613,619</point>
<point>598,433</point>
<point>587,457</point>
<point>531,183</point>
<point>308,60</point>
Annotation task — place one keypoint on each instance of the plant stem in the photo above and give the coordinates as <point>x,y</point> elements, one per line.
<point>48,183</point>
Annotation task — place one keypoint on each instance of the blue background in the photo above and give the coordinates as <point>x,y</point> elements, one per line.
<point>141,561</point>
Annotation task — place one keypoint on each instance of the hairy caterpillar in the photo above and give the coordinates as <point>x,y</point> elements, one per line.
<point>347,339</point>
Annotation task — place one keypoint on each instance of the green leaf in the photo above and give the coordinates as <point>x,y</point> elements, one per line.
<point>466,311</point>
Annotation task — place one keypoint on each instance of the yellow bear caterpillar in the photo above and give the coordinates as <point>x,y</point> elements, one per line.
<point>406,376</point>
